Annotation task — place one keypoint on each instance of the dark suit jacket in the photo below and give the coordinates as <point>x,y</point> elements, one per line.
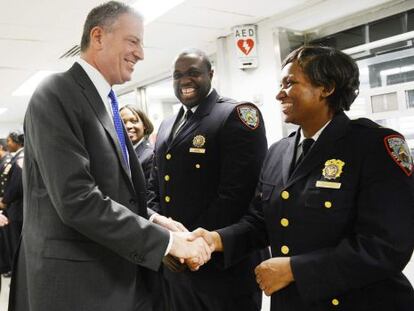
<point>348,244</point>
<point>145,154</point>
<point>85,228</point>
<point>211,185</point>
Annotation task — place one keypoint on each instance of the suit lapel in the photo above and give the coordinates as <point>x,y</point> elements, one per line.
<point>203,109</point>
<point>93,98</point>
<point>322,148</point>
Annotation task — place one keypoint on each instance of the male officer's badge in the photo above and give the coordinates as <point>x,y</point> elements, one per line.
<point>199,141</point>
<point>400,152</point>
<point>249,115</point>
<point>198,144</point>
<point>333,169</point>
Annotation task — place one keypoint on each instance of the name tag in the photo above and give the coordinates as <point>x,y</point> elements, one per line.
<point>328,184</point>
<point>197,150</point>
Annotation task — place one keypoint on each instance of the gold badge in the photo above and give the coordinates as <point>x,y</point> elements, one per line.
<point>199,141</point>
<point>333,169</point>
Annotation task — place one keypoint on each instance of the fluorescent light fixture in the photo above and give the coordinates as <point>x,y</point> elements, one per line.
<point>29,86</point>
<point>3,110</point>
<point>376,44</point>
<point>152,9</point>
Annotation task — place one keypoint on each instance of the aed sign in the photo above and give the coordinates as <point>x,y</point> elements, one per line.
<point>245,41</point>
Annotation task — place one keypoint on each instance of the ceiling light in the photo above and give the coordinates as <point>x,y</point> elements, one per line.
<point>152,9</point>
<point>29,86</point>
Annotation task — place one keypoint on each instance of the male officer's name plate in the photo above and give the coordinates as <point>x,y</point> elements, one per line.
<point>198,150</point>
<point>328,184</point>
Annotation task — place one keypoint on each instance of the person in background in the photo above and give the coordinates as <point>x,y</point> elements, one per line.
<point>5,158</point>
<point>12,199</point>
<point>207,163</point>
<point>335,201</point>
<point>139,128</point>
<point>87,240</point>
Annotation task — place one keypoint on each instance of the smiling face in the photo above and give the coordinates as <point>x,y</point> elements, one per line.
<point>192,79</point>
<point>134,125</point>
<point>302,102</point>
<point>118,48</point>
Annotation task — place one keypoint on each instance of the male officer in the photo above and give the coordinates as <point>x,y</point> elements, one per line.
<point>207,161</point>
<point>86,241</point>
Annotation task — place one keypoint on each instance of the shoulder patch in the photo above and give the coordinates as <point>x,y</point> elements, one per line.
<point>400,152</point>
<point>249,115</point>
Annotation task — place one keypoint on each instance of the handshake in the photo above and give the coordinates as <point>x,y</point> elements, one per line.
<point>188,249</point>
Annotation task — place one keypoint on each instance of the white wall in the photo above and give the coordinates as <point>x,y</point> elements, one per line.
<point>7,127</point>
<point>258,85</point>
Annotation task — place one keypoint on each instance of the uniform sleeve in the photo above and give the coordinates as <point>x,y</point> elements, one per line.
<point>248,235</point>
<point>55,139</point>
<point>153,196</point>
<point>383,233</point>
<point>243,146</point>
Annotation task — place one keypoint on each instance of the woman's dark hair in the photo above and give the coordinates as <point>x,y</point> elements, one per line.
<point>330,68</point>
<point>17,137</point>
<point>148,127</point>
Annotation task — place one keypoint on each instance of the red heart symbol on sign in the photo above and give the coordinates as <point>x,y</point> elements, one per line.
<point>245,45</point>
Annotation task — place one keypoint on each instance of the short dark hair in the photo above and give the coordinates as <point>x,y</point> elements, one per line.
<point>204,57</point>
<point>331,68</point>
<point>148,126</point>
<point>17,137</point>
<point>104,16</point>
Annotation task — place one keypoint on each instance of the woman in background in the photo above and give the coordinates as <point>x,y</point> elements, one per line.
<point>139,128</point>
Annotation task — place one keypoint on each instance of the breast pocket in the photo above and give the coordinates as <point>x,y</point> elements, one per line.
<point>335,205</point>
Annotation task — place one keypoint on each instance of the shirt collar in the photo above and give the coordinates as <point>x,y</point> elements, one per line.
<point>102,86</point>
<point>315,136</point>
<point>194,108</point>
<point>139,143</point>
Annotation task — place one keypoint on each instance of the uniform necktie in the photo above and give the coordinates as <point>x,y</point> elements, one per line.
<point>118,125</point>
<point>187,116</point>
<point>306,145</point>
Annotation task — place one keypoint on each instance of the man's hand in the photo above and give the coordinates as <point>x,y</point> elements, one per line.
<point>3,220</point>
<point>213,240</point>
<point>274,274</point>
<point>2,205</point>
<point>169,223</point>
<point>185,248</point>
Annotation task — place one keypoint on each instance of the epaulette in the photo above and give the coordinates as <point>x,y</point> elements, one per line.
<point>365,123</point>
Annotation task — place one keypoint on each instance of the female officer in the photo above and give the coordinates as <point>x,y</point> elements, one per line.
<point>139,128</point>
<point>335,200</point>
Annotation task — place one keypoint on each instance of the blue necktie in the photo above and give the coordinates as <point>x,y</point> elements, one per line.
<point>118,125</point>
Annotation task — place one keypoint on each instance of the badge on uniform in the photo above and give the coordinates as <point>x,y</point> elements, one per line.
<point>249,115</point>
<point>331,171</point>
<point>400,152</point>
<point>198,144</point>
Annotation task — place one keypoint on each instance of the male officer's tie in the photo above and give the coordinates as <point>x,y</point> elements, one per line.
<point>187,116</point>
<point>118,125</point>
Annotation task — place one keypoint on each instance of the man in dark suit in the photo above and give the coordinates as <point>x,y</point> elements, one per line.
<point>337,211</point>
<point>207,161</point>
<point>86,241</point>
